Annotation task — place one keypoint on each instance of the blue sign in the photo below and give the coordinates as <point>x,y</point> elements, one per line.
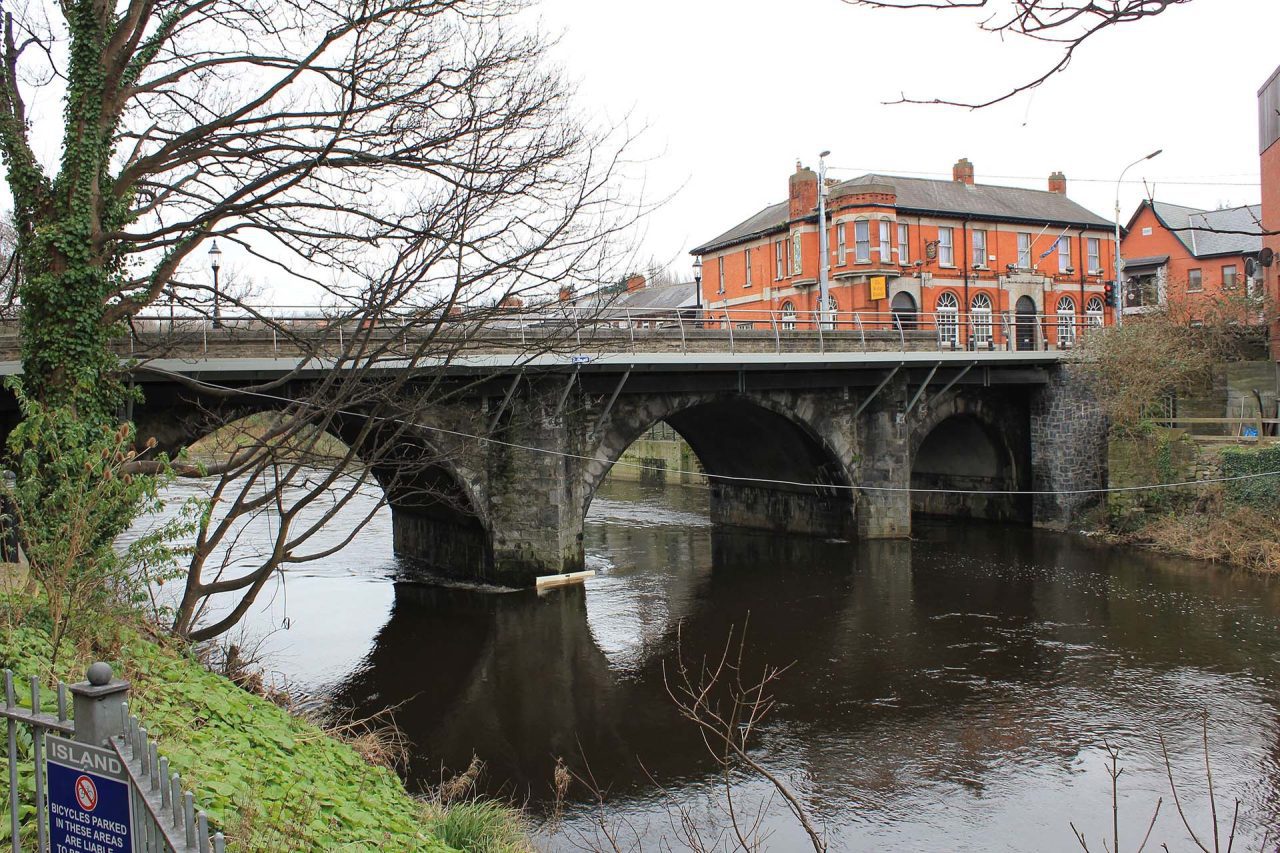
<point>579,359</point>
<point>89,809</point>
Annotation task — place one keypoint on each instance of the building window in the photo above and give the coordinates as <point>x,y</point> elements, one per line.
<point>780,259</point>
<point>904,243</point>
<point>946,248</point>
<point>1095,255</point>
<point>1195,281</point>
<point>721,290</point>
<point>948,310</point>
<point>1024,250</point>
<point>1064,254</point>
<point>1066,321</point>
<point>833,311</point>
<point>980,309</point>
<point>1229,277</point>
<point>862,241</point>
<point>789,315</point>
<point>841,239</point>
<point>886,251</point>
<point>797,259</point>
<point>979,249</point>
<point>1093,311</point>
<point>746,256</point>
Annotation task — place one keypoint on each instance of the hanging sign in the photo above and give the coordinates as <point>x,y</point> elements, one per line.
<point>88,793</point>
<point>879,287</point>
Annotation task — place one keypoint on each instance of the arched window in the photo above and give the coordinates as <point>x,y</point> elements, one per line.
<point>980,310</point>
<point>789,315</point>
<point>948,308</point>
<point>833,311</point>
<point>1066,321</point>
<point>1093,311</point>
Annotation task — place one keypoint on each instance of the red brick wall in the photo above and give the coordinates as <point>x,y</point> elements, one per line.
<point>1271,222</point>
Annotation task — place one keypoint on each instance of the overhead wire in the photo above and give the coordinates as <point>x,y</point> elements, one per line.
<point>726,477</point>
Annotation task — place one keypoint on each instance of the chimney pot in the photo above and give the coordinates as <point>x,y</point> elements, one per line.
<point>962,171</point>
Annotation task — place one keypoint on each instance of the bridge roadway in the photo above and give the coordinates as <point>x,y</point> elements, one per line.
<point>842,442</point>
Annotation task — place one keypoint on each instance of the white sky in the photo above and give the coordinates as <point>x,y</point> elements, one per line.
<point>733,92</point>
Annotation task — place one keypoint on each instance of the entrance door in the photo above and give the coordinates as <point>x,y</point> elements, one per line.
<point>903,307</point>
<point>1026,323</point>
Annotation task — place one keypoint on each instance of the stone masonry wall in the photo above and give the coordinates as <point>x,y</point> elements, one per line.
<point>1068,449</point>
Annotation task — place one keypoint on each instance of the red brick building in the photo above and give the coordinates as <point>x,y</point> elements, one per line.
<point>1269,146</point>
<point>987,266</point>
<point>1190,260</point>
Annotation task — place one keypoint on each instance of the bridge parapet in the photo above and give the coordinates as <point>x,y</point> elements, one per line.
<point>283,332</point>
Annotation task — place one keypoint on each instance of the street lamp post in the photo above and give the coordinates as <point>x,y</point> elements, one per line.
<point>1120,290</point>
<point>215,258</point>
<point>824,260</point>
<point>697,290</point>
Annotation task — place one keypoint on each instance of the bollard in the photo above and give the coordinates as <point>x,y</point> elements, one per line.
<point>97,704</point>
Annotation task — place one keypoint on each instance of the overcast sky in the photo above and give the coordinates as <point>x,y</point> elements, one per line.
<point>734,92</point>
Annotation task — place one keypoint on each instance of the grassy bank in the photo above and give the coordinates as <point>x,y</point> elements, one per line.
<point>269,780</point>
<point>1212,529</point>
<point>1234,522</point>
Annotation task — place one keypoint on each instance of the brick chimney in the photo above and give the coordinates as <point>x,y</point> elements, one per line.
<point>1058,183</point>
<point>962,171</point>
<point>566,293</point>
<point>634,283</point>
<point>803,191</point>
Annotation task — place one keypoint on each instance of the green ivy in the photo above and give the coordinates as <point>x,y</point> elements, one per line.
<point>1261,492</point>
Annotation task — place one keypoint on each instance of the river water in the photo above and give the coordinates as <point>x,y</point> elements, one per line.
<point>955,691</point>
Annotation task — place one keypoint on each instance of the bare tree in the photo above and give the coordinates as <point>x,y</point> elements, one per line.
<point>415,157</point>
<point>1066,25</point>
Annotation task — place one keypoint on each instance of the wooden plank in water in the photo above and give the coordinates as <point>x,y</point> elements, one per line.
<point>547,581</point>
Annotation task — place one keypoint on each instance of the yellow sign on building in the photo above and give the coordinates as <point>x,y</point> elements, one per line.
<point>879,287</point>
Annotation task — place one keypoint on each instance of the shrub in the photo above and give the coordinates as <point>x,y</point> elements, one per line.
<point>1260,492</point>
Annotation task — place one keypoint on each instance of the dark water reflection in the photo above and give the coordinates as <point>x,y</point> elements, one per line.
<point>952,691</point>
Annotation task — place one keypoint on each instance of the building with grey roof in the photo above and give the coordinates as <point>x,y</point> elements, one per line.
<point>1200,263</point>
<point>986,265</point>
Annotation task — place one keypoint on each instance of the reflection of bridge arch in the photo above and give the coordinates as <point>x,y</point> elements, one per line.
<point>772,462</point>
<point>971,443</point>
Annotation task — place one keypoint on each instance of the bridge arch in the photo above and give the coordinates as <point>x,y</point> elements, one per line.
<point>769,465</point>
<point>971,442</point>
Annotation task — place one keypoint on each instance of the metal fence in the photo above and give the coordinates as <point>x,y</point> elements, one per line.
<point>164,817</point>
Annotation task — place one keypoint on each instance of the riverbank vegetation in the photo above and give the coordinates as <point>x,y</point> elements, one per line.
<point>1138,372</point>
<point>269,779</point>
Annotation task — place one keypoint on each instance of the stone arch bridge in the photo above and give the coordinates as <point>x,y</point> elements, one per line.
<point>833,445</point>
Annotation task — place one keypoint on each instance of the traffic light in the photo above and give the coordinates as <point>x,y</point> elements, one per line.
<point>1109,294</point>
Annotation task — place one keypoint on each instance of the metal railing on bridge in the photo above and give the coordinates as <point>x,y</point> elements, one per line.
<point>96,779</point>
<point>284,330</point>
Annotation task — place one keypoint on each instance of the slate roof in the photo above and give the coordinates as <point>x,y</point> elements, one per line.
<point>1200,231</point>
<point>663,297</point>
<point>931,196</point>
<point>1208,238</point>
